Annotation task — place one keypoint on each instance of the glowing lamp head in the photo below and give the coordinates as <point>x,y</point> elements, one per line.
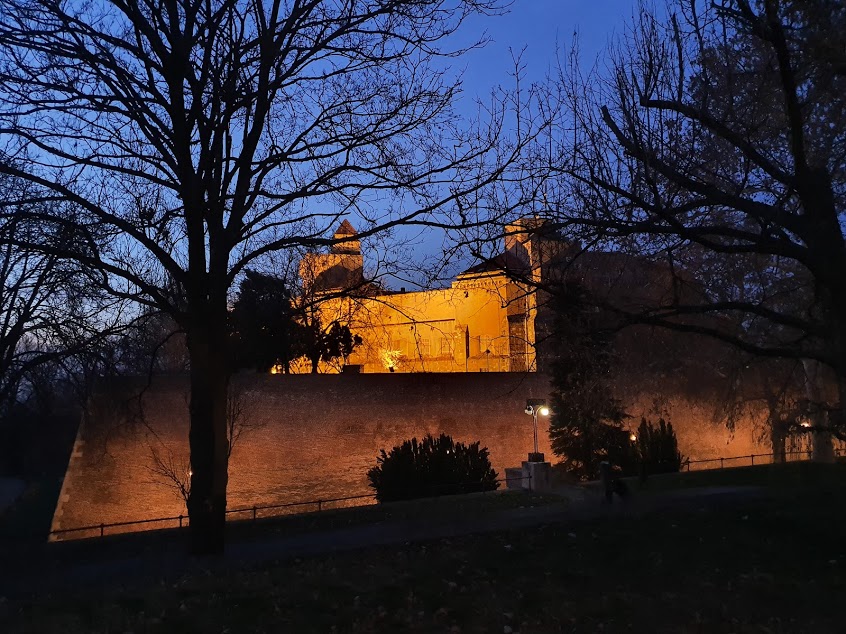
<point>536,407</point>
<point>633,437</point>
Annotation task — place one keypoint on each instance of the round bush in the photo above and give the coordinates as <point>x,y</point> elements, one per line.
<point>431,467</point>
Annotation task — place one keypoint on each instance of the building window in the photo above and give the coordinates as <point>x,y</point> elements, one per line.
<point>446,348</point>
<point>424,347</point>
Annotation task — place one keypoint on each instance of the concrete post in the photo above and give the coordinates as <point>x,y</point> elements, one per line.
<point>537,474</point>
<point>541,473</point>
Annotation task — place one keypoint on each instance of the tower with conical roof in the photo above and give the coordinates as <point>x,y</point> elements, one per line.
<point>346,241</point>
<point>340,269</point>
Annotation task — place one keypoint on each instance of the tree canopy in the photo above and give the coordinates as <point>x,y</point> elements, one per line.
<point>193,138</point>
<point>265,331</point>
<point>587,420</point>
<point>716,145</point>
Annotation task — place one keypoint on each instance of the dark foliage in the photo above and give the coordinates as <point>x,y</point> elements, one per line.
<point>269,330</point>
<point>265,331</point>
<point>658,448</point>
<point>586,426</point>
<point>719,148</point>
<point>327,344</point>
<point>431,467</point>
<point>198,139</point>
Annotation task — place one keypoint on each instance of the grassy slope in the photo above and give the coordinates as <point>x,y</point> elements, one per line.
<point>773,565</point>
<point>777,476</point>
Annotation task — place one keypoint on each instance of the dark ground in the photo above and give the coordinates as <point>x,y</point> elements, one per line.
<point>770,559</point>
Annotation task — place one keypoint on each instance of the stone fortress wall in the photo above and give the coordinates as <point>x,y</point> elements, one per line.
<point>314,437</point>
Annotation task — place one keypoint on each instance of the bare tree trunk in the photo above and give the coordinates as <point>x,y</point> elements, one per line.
<point>208,437</point>
<point>778,438</point>
<point>839,422</point>
<point>822,447</point>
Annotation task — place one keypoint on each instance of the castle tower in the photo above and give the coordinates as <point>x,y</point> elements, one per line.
<point>526,239</point>
<point>341,268</point>
<point>345,244</point>
<point>522,243</point>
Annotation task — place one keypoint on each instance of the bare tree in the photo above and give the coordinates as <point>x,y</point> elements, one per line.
<point>49,310</point>
<point>173,468</point>
<point>717,145</point>
<point>200,136</point>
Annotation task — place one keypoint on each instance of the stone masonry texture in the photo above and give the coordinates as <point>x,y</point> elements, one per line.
<point>304,437</point>
<point>309,437</point>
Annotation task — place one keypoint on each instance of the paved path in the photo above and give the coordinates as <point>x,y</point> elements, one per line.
<point>139,558</point>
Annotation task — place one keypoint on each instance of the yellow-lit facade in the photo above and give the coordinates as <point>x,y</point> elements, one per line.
<point>484,322</point>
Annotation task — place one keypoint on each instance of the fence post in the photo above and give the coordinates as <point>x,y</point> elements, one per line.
<point>721,462</point>
<point>319,505</point>
<point>180,520</point>
<point>102,529</point>
<point>753,459</point>
<point>688,466</point>
<point>254,513</point>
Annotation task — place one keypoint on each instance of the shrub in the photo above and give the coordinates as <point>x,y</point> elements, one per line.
<point>583,444</point>
<point>658,448</point>
<point>433,466</point>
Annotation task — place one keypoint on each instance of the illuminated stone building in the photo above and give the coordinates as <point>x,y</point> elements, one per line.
<point>484,321</point>
<point>314,437</point>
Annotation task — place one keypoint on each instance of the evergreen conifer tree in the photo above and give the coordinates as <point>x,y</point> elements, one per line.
<point>587,421</point>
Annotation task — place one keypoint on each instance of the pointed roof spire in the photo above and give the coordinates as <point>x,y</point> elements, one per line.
<point>346,229</point>
<point>347,238</point>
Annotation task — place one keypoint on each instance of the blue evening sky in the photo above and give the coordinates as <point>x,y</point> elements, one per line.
<point>540,25</point>
<point>537,28</point>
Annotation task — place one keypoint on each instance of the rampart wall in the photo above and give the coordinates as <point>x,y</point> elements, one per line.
<point>315,436</point>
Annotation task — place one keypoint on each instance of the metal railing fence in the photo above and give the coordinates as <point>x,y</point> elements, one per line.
<point>252,513</point>
<point>257,512</point>
<point>763,458</point>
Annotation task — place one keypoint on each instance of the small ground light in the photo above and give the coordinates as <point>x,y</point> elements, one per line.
<point>633,437</point>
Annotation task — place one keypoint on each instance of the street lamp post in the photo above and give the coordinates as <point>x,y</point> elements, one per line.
<point>535,407</point>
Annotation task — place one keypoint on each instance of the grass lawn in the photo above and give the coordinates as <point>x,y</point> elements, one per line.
<point>778,476</point>
<point>768,565</point>
<point>454,507</point>
<point>445,507</point>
